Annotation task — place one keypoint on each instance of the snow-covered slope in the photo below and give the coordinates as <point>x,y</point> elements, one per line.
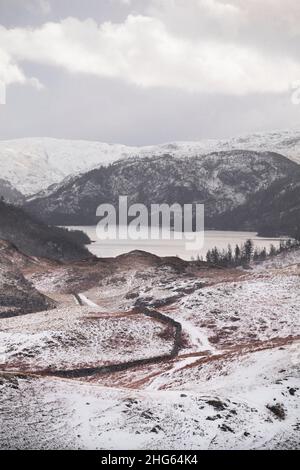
<point>33,164</point>
<point>286,143</point>
<point>9,193</point>
<point>221,180</point>
<point>46,413</point>
<point>233,385</point>
<point>79,336</point>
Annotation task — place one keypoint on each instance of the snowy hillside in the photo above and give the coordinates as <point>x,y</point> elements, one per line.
<point>35,238</point>
<point>10,194</point>
<point>221,180</point>
<point>286,143</point>
<point>73,377</point>
<point>33,164</point>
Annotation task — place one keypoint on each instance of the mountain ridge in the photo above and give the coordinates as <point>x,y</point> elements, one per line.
<point>223,181</point>
<point>33,164</point>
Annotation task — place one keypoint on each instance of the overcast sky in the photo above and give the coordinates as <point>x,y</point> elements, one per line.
<point>148,71</point>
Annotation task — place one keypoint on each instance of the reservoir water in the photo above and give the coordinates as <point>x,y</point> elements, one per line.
<point>212,238</point>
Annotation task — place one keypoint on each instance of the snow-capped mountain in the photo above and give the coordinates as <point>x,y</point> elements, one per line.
<point>33,164</point>
<point>222,181</point>
<point>285,142</point>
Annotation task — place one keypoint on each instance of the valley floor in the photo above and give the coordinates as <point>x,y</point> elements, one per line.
<point>149,353</point>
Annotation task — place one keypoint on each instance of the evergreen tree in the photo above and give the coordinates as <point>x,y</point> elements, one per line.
<point>215,255</point>
<point>209,257</point>
<point>256,254</point>
<point>237,255</point>
<point>263,254</point>
<point>229,255</point>
<point>248,251</point>
<point>244,254</point>
<point>273,251</point>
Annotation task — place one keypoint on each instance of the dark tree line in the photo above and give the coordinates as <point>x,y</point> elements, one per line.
<point>242,255</point>
<point>35,238</point>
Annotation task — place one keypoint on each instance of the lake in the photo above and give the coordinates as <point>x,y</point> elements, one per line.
<point>212,238</point>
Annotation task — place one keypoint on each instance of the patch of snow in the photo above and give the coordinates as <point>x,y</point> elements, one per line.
<point>87,301</point>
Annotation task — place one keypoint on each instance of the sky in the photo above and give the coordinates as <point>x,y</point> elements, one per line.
<point>143,72</point>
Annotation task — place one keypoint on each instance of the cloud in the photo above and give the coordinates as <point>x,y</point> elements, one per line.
<point>211,47</point>
<point>11,73</point>
<point>202,18</point>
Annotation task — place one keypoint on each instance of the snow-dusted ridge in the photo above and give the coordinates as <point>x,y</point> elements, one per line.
<point>33,164</point>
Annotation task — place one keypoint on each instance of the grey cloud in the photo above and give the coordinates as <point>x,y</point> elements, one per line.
<point>112,109</point>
